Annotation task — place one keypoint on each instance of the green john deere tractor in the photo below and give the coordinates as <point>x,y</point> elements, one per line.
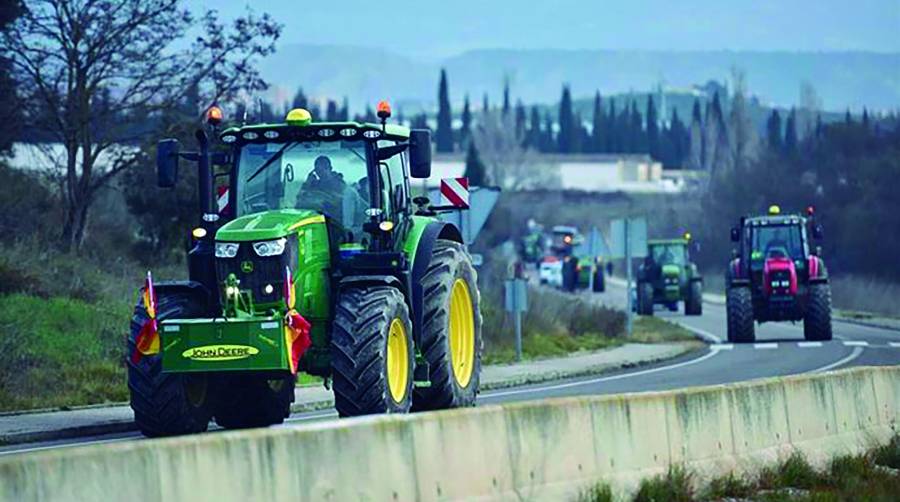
<point>667,277</point>
<point>314,260</point>
<point>567,244</point>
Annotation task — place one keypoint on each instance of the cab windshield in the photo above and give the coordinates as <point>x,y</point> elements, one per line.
<point>329,177</point>
<point>668,254</point>
<point>777,241</point>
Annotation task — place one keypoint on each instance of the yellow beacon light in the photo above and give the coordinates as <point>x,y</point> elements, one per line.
<point>687,236</point>
<point>298,117</point>
<point>774,209</point>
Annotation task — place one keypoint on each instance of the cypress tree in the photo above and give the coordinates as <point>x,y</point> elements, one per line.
<point>773,131</point>
<point>466,129</point>
<point>598,135</point>
<point>790,132</point>
<point>652,129</point>
<point>299,100</point>
<point>475,170</point>
<point>344,113</point>
<point>485,106</point>
<point>566,122</point>
<point>534,131</point>
<point>331,111</point>
<point>444,133</point>
<point>548,144</point>
<point>612,129</point>
<point>520,121</point>
<point>506,97</point>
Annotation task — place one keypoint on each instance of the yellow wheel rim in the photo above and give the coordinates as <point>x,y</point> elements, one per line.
<point>397,361</point>
<point>462,333</point>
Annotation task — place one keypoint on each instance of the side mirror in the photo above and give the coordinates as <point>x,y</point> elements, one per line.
<point>420,153</point>
<point>817,232</point>
<point>167,152</point>
<point>735,234</point>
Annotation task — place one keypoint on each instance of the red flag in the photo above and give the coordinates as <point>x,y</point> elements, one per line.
<point>296,335</point>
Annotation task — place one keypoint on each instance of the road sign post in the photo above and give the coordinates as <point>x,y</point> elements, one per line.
<point>516,303</point>
<point>629,239</point>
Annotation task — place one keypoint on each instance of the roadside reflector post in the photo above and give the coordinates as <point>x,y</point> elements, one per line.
<point>516,303</point>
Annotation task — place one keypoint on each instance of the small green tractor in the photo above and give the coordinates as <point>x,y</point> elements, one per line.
<point>667,277</point>
<point>314,260</point>
<point>777,275</point>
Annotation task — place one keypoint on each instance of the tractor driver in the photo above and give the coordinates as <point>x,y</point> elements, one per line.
<point>323,189</point>
<point>777,247</point>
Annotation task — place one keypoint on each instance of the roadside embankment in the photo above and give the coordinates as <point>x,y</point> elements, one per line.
<point>535,450</point>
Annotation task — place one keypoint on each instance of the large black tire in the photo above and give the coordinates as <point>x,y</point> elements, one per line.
<point>645,298</point>
<point>448,388</point>
<point>599,281</point>
<point>359,351</point>
<point>739,310</point>
<point>167,404</point>
<point>250,401</point>
<point>693,303</point>
<point>817,323</point>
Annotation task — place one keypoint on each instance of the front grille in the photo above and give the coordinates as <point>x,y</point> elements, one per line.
<point>266,270</point>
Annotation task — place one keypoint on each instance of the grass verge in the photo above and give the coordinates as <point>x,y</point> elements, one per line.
<point>871,477</point>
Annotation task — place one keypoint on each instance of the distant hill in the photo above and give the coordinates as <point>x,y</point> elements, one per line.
<point>365,75</point>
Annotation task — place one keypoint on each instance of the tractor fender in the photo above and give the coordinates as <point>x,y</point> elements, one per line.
<point>434,231</point>
<point>370,280</point>
<point>196,290</point>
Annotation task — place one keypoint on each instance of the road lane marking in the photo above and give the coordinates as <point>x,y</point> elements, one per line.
<point>855,343</point>
<point>857,351</point>
<point>702,333</point>
<point>809,344</point>
<point>896,345</point>
<point>592,381</point>
<point>765,345</point>
<point>722,346</point>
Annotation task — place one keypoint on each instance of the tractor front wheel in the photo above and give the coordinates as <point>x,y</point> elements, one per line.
<point>167,404</point>
<point>817,322</point>
<point>739,310</point>
<point>372,352</point>
<point>693,303</point>
<point>451,330</point>
<point>246,402</point>
<point>645,298</point>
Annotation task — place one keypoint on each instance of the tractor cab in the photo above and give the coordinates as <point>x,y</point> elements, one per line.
<point>564,239</point>
<point>667,277</point>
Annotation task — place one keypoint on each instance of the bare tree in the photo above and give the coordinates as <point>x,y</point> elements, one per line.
<point>743,139</point>
<point>810,105</point>
<point>94,75</point>
<point>508,163</point>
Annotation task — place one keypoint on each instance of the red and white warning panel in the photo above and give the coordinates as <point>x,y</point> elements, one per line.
<point>222,199</point>
<point>455,192</point>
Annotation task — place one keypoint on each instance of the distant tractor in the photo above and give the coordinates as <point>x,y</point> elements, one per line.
<point>577,268</point>
<point>777,276</point>
<point>314,260</point>
<point>667,277</point>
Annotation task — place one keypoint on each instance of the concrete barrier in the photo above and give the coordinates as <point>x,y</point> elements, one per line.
<point>536,450</point>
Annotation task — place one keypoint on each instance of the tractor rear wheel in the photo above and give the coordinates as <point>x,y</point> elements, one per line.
<point>693,303</point>
<point>167,404</point>
<point>739,310</point>
<point>451,330</point>
<point>645,298</point>
<point>249,401</point>
<point>817,322</point>
<point>372,352</point>
<point>599,281</point>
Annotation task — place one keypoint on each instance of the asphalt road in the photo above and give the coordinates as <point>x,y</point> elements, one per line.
<point>780,350</point>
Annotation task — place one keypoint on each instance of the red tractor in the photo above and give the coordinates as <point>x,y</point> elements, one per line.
<point>775,275</point>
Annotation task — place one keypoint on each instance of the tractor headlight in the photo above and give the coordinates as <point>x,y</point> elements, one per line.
<point>226,249</point>
<point>270,248</point>
<point>785,284</point>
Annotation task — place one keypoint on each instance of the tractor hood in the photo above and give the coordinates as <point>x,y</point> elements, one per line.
<point>670,270</point>
<point>267,225</point>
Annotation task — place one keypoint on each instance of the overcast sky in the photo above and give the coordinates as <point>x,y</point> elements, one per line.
<point>439,28</point>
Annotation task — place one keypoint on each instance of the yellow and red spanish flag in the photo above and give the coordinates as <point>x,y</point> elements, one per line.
<point>296,328</point>
<point>147,342</point>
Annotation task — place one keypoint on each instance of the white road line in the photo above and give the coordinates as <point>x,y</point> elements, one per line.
<point>896,345</point>
<point>721,346</point>
<point>592,381</point>
<point>809,344</point>
<point>855,343</point>
<point>67,445</point>
<point>853,355</point>
<point>765,345</point>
